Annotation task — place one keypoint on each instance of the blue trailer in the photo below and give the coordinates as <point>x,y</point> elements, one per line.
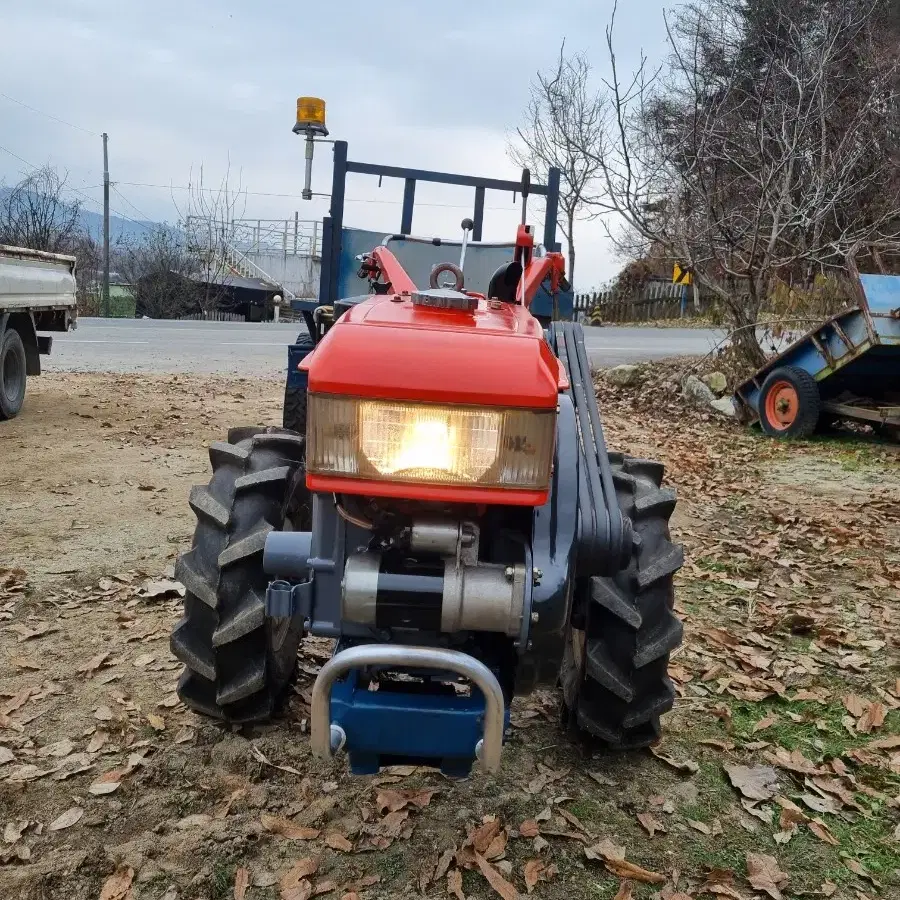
<point>342,246</point>
<point>847,368</point>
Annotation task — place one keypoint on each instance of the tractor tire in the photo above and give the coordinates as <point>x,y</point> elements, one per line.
<point>789,403</point>
<point>294,414</point>
<point>237,662</point>
<point>12,373</point>
<point>614,674</point>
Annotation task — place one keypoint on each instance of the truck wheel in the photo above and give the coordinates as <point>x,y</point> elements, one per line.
<point>294,415</point>
<point>12,374</point>
<point>789,403</point>
<point>615,670</point>
<point>237,662</point>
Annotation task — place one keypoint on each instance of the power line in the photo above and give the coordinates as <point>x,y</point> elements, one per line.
<point>75,190</point>
<point>40,112</point>
<point>123,197</point>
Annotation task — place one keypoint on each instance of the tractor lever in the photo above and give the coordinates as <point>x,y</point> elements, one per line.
<point>467,226</point>
<point>526,190</point>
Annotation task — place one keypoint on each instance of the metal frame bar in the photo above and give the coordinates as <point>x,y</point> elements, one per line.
<point>394,657</point>
<point>888,415</point>
<point>331,239</point>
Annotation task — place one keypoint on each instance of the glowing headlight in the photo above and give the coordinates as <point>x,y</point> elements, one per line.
<point>419,442</point>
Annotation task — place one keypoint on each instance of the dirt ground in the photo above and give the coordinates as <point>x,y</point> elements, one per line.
<point>779,775</point>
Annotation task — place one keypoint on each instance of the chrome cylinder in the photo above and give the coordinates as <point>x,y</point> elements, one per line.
<point>486,597</point>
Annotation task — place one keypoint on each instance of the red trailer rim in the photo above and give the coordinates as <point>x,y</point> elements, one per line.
<point>782,405</point>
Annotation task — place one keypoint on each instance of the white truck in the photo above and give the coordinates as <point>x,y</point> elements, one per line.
<point>37,293</point>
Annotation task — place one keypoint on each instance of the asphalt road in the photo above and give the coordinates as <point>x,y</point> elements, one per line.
<point>229,348</point>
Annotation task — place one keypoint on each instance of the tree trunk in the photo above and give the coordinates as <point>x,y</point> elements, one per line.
<point>744,310</point>
<point>570,217</point>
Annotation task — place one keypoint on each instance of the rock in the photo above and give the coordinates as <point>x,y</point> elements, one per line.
<point>696,392</point>
<point>716,382</point>
<point>624,376</point>
<point>686,793</point>
<point>725,406</point>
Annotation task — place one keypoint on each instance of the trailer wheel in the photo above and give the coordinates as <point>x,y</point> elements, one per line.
<point>615,669</point>
<point>789,403</point>
<point>237,662</point>
<point>12,373</point>
<point>294,414</point>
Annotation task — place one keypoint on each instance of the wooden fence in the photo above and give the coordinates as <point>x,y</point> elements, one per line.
<point>656,301</point>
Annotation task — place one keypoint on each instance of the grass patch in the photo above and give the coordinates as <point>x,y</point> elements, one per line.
<point>221,880</point>
<point>821,732</point>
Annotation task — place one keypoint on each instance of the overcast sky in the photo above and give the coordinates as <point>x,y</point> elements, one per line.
<point>180,84</point>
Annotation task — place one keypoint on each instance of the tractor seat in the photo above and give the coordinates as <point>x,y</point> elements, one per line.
<point>504,282</point>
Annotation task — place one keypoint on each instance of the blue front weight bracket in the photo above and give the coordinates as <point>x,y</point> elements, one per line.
<point>386,727</point>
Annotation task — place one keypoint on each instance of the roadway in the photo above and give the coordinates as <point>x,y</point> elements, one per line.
<point>241,349</point>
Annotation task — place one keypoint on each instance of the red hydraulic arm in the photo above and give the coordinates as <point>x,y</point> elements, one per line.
<point>536,270</point>
<point>382,262</point>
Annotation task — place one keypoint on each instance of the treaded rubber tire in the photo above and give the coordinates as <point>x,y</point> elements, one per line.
<point>294,414</point>
<point>237,665</point>
<point>617,687</point>
<point>12,352</point>
<point>809,408</point>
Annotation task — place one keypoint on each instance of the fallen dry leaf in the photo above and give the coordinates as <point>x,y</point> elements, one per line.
<point>531,871</point>
<point>857,868</point>
<point>337,841</point>
<point>754,782</point>
<point>66,819</point>
<point>108,782</point>
<point>118,885</point>
<point>625,869</point>
<point>482,836</point>
<point>873,717</point>
<point>822,832</point>
<point>241,883</point>
<point>301,869</point>
<point>685,766</point>
<point>506,890</point>
<point>625,891</point>
<point>286,828</point>
<point>303,890</point>
<point>764,874</point>
<point>392,801</point>
<point>855,705</point>
<point>650,823</point>
<point>454,884</point>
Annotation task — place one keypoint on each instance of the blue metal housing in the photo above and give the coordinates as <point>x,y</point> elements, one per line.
<point>387,727</point>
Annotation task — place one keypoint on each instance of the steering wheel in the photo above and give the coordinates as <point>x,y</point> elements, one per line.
<point>447,268</point>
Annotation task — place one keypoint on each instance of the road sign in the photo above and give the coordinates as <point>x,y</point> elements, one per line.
<point>682,275</point>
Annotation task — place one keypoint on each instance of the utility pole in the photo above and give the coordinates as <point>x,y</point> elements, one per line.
<point>104,297</point>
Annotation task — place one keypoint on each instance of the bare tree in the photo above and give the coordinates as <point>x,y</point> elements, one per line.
<point>35,214</point>
<point>563,121</point>
<point>747,163</point>
<point>89,256</point>
<point>208,221</point>
<point>163,274</point>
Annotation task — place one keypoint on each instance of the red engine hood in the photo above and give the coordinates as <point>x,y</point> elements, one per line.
<point>389,349</point>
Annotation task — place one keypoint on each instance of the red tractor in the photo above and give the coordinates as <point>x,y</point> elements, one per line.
<point>450,517</point>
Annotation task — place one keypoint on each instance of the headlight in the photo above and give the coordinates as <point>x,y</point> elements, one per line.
<point>421,442</point>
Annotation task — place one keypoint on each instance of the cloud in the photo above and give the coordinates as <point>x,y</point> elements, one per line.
<point>180,84</point>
